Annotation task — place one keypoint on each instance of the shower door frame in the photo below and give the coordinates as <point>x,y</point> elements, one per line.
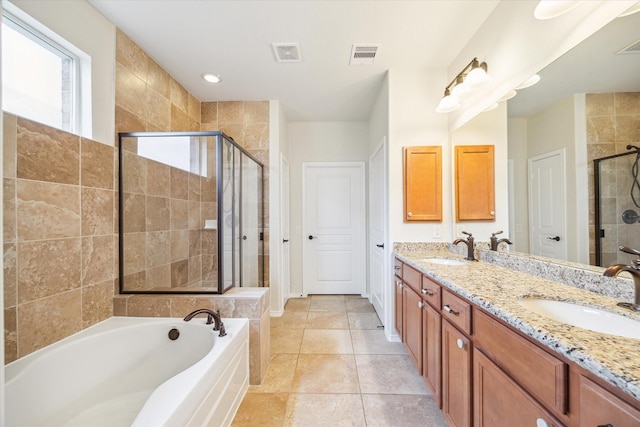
<point>219,141</point>
<point>598,235</point>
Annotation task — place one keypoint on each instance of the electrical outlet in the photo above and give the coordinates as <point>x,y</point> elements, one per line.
<point>436,231</point>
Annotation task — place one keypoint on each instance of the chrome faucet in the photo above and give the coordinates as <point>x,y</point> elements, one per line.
<point>211,317</point>
<point>469,243</point>
<point>634,270</point>
<point>495,242</point>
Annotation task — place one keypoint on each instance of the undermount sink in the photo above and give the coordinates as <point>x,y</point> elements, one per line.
<point>444,261</point>
<point>584,317</point>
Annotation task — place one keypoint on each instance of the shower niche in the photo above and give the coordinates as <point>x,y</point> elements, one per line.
<point>191,214</point>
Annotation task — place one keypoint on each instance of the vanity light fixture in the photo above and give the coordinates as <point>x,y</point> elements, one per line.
<point>508,96</point>
<point>529,82</point>
<point>548,9</point>
<point>211,78</point>
<point>472,77</point>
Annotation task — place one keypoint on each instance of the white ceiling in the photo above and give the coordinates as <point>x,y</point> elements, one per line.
<point>233,39</point>
<point>590,67</point>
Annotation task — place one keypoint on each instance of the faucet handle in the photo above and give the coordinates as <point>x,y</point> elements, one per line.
<point>467,234</point>
<point>496,233</point>
<point>629,250</point>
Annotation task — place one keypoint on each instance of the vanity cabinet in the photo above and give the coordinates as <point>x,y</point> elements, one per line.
<point>432,338</point>
<point>422,183</point>
<point>456,376</point>
<point>412,325</point>
<point>474,180</point>
<point>599,407</point>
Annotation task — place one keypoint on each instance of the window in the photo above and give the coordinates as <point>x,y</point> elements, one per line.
<point>41,75</point>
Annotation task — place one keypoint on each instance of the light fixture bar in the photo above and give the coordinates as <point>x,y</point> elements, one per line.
<point>472,76</point>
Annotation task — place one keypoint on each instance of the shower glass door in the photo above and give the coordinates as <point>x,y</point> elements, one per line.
<point>252,239</point>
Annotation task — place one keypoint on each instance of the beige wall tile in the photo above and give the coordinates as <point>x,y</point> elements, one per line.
<point>180,121</point>
<point>96,164</point>
<point>47,267</point>
<point>97,259</point>
<point>179,214</point>
<point>256,112</point>
<point>130,56</point>
<point>135,253</point>
<point>9,145</point>
<point>234,130</point>
<point>135,281</point>
<point>195,270</point>
<point>158,179</point>
<point>47,211</point>
<point>627,103</point>
<point>158,110</point>
<point>179,184</point>
<point>97,211</point>
<point>158,79</point>
<point>134,169</point>
<point>148,307</point>
<point>120,305</point>
<point>194,109</point>
<point>256,136</point>
<point>158,248</point>
<point>158,213</point>
<point>179,96</point>
<point>134,211</point>
<point>159,277</point>
<point>179,245</point>
<point>195,243</point>
<point>599,104</point>
<point>231,112</point>
<point>628,128</point>
<point>9,210</point>
<point>97,303</point>
<point>179,273</point>
<point>63,314</point>
<point>181,305</point>
<point>131,92</point>
<point>128,122</point>
<point>10,275</point>
<point>194,215</point>
<point>10,334</point>
<point>47,154</point>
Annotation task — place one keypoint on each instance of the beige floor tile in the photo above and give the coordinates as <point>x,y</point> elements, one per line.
<point>325,373</point>
<point>326,341</point>
<point>369,341</point>
<point>327,320</point>
<point>327,304</point>
<point>383,410</point>
<point>389,374</point>
<point>328,297</point>
<point>261,410</point>
<point>279,377</point>
<point>359,305</point>
<point>286,340</point>
<point>297,304</point>
<point>364,321</point>
<point>324,410</point>
<point>290,319</point>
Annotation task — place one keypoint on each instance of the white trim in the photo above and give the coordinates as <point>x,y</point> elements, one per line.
<point>284,234</point>
<point>582,179</point>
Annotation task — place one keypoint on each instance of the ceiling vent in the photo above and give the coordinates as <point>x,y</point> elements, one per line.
<point>287,52</point>
<point>363,54</point>
<point>632,48</point>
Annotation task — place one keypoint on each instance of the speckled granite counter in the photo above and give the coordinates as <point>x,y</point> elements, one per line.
<point>497,289</point>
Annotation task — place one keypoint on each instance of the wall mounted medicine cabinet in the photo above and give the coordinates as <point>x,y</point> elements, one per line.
<point>475,188</point>
<point>422,173</point>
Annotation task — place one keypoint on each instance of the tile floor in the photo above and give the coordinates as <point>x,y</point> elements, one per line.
<point>331,365</point>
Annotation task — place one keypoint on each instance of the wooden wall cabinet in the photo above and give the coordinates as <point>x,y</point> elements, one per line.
<point>475,183</point>
<point>422,183</point>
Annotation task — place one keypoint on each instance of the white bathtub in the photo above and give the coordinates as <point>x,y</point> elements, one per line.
<point>125,371</point>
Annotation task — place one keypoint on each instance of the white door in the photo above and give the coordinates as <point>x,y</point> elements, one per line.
<point>547,205</point>
<point>333,258</point>
<point>285,271</point>
<point>377,228</point>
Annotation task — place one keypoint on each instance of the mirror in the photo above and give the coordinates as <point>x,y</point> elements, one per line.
<point>547,119</point>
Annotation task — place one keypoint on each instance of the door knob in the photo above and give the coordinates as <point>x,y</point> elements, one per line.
<point>311,237</point>
<point>285,240</point>
<point>244,237</point>
<point>557,238</point>
<point>381,246</point>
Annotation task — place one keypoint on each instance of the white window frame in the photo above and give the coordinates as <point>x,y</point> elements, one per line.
<point>80,118</point>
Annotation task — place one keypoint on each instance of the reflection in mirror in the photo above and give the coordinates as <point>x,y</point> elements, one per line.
<point>587,105</point>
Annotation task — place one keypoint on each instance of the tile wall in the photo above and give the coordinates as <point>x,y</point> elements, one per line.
<point>613,122</point>
<point>60,241</point>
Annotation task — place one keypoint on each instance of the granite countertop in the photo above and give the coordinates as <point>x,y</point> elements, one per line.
<point>497,289</point>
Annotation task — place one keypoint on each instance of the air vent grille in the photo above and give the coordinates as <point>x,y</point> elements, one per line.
<point>363,54</point>
<point>632,48</point>
<point>287,52</point>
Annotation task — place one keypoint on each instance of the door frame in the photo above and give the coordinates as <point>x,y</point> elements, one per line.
<point>562,186</point>
<point>285,232</point>
<point>362,243</point>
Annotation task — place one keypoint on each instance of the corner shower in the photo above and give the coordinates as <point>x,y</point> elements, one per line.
<point>191,214</point>
<point>617,205</point>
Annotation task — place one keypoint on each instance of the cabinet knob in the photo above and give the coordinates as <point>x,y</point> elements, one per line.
<point>396,267</point>
<point>420,304</point>
<point>409,214</point>
<point>542,423</point>
<point>492,213</point>
<point>461,344</point>
<point>450,310</point>
<point>606,425</point>
<point>399,284</point>
<point>427,292</point>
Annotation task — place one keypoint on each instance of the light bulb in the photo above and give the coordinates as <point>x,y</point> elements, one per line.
<point>477,77</point>
<point>448,103</point>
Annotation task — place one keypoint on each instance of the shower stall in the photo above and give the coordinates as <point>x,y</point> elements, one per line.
<point>191,214</point>
<point>617,206</point>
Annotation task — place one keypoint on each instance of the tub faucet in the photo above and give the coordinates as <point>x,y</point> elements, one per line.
<point>495,242</point>
<point>634,270</point>
<point>469,243</point>
<point>211,317</point>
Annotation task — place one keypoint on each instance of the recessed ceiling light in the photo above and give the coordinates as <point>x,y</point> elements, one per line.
<point>211,78</point>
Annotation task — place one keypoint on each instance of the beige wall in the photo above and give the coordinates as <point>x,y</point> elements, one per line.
<point>60,241</point>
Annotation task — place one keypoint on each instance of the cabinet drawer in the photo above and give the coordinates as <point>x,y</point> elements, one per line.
<point>412,277</point>
<point>431,292</point>
<point>457,310</point>
<point>600,407</point>
<point>397,267</point>
<point>517,357</point>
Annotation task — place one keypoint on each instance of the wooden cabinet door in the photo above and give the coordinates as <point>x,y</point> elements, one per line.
<point>475,188</point>
<point>456,376</point>
<point>412,327</point>
<point>600,407</point>
<point>500,402</point>
<point>398,315</point>
<point>423,183</point>
<point>432,351</point>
